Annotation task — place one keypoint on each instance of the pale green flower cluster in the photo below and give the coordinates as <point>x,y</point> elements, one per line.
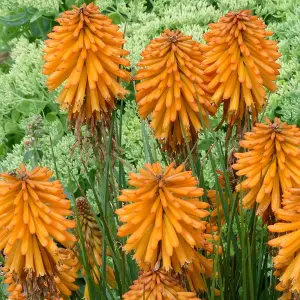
<point>274,9</point>
<point>13,159</point>
<point>190,17</point>
<point>24,83</point>
<point>132,140</point>
<point>47,5</point>
<point>25,74</point>
<point>66,156</point>
<point>288,94</point>
<point>227,5</point>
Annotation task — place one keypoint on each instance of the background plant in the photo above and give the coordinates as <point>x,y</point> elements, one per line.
<point>29,116</point>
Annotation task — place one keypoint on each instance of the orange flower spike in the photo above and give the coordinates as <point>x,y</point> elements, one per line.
<point>85,51</point>
<point>32,212</point>
<point>164,218</point>
<point>287,261</point>
<point>242,62</point>
<point>15,290</point>
<point>201,266</point>
<point>271,164</point>
<point>291,199</point>
<point>36,282</point>
<point>68,266</point>
<point>158,285</point>
<point>172,83</point>
<point>63,275</point>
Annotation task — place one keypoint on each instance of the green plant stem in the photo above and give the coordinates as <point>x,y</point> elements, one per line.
<point>53,157</point>
<point>106,197</point>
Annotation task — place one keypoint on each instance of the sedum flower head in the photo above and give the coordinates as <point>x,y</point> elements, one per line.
<point>271,164</point>
<point>93,242</point>
<point>32,214</point>
<point>172,88</point>
<point>49,6</point>
<point>163,216</point>
<point>158,285</point>
<point>85,51</point>
<point>241,62</point>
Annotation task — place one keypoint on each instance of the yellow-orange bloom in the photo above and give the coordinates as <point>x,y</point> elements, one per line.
<point>291,199</point>
<point>35,283</point>
<point>14,289</point>
<point>93,242</point>
<point>158,285</point>
<point>172,88</point>
<point>164,216</point>
<point>85,51</point>
<point>67,267</point>
<point>242,62</point>
<point>201,266</point>
<point>62,280</point>
<point>287,261</point>
<point>271,165</point>
<point>32,212</point>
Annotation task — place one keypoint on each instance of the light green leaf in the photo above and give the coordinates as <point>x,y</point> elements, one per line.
<point>11,127</point>
<point>116,18</point>
<point>51,117</point>
<point>37,15</point>
<point>15,115</point>
<point>29,107</point>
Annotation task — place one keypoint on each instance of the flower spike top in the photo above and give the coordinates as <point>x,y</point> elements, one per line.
<point>242,62</point>
<point>291,199</point>
<point>158,285</point>
<point>85,51</point>
<point>172,88</point>
<point>271,164</point>
<point>32,213</point>
<point>163,217</point>
<point>286,263</point>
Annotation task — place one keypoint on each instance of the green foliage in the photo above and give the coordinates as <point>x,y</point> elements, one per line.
<point>285,103</point>
<point>41,5</point>
<point>22,92</point>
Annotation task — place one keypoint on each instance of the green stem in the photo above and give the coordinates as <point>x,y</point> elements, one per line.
<point>54,159</point>
<point>106,197</point>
